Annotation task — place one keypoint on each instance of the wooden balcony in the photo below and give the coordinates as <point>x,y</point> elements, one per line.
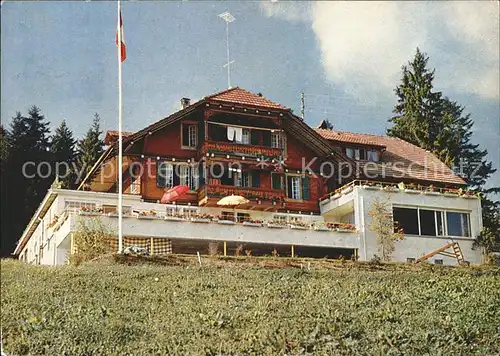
<point>260,198</point>
<point>236,148</point>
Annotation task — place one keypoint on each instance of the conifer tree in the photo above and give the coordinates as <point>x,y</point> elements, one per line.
<point>90,147</point>
<point>28,142</point>
<point>63,151</point>
<point>438,124</point>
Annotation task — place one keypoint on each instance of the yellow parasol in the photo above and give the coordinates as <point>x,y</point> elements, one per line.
<point>233,201</point>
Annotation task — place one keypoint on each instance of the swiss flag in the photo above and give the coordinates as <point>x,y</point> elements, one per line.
<point>119,33</point>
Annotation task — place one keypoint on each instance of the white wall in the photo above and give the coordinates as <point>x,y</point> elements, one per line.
<point>416,246</point>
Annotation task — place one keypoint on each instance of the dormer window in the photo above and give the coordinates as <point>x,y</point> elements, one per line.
<point>362,154</point>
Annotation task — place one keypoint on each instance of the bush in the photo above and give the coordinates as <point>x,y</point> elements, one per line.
<point>91,239</point>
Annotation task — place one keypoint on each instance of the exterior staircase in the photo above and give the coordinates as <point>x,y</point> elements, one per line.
<point>456,252</point>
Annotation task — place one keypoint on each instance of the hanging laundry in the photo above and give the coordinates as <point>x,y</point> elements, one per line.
<point>238,134</point>
<point>230,133</point>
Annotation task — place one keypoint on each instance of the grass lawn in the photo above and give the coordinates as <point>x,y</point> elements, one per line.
<point>229,307</point>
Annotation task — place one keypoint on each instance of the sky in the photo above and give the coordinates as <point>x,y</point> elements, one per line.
<point>345,56</point>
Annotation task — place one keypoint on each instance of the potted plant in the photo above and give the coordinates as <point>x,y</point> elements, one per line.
<point>370,186</point>
<point>412,189</point>
<point>299,225</point>
<point>391,188</point>
<point>275,224</point>
<point>201,218</point>
<point>449,192</point>
<point>343,227</point>
<point>432,190</point>
<point>321,227</point>
<point>225,220</point>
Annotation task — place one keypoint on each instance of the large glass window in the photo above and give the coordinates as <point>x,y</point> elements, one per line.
<point>457,224</point>
<point>165,174</point>
<point>407,219</point>
<point>294,187</point>
<point>427,222</point>
<point>349,152</point>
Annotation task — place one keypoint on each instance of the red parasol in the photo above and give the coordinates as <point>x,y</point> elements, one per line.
<point>173,194</point>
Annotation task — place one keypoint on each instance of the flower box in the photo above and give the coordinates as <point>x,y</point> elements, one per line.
<point>226,222</point>
<point>339,229</point>
<point>254,224</point>
<point>201,220</point>
<point>89,213</point>
<point>370,187</point>
<point>173,218</point>
<point>430,192</point>
<point>325,201</point>
<point>450,194</point>
<point>298,227</point>
<point>412,191</point>
<point>336,196</point>
<point>391,189</point>
<point>275,226</point>
<point>469,196</point>
<point>322,228</point>
<point>347,190</point>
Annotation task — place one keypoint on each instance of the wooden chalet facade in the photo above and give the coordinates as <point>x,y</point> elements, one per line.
<point>233,142</point>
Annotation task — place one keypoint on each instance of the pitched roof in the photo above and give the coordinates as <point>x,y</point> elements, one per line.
<point>349,137</point>
<point>412,162</point>
<point>241,96</point>
<point>112,136</point>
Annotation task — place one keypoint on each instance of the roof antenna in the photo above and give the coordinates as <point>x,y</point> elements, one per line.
<point>302,105</point>
<point>226,16</point>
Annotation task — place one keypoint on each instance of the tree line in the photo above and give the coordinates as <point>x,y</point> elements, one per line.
<point>30,160</point>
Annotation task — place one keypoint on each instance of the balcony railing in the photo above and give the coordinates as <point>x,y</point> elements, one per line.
<point>249,150</point>
<point>252,194</point>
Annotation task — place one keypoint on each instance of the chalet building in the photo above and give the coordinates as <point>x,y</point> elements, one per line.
<point>309,190</point>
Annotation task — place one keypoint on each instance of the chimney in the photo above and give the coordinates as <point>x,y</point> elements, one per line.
<point>185,102</point>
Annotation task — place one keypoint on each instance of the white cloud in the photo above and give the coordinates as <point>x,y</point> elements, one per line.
<point>364,44</point>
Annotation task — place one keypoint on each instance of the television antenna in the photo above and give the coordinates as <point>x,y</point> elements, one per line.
<point>226,16</point>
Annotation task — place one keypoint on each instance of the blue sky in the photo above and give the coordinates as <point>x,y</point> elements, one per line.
<point>346,57</point>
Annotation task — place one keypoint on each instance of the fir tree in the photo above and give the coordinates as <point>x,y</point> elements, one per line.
<point>63,154</point>
<point>418,109</point>
<point>24,187</point>
<point>90,147</point>
<point>438,124</point>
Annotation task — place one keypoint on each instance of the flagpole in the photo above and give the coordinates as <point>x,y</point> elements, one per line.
<point>120,138</point>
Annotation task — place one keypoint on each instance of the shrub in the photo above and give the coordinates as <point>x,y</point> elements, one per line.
<point>213,248</point>
<point>239,250</point>
<point>91,239</point>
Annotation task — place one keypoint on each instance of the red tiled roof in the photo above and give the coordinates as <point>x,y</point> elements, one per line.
<point>241,96</point>
<point>112,136</point>
<point>349,137</point>
<point>414,162</point>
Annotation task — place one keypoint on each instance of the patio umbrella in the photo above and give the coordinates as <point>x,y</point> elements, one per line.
<point>173,194</point>
<point>233,201</point>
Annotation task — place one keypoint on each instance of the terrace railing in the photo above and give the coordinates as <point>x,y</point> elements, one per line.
<point>235,148</point>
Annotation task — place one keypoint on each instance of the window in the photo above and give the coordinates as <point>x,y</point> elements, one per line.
<point>410,260</point>
<point>189,135</point>
<point>427,222</point>
<point>241,217</point>
<point>241,179</point>
<point>245,137</point>
<point>227,215</point>
<point>349,152</point>
<point>372,155</point>
<point>294,187</point>
<point>457,224</point>
<point>164,175</point>
<point>277,140</point>
<point>276,181</point>
<point>407,219</point>
<point>280,219</point>
<point>188,177</point>
<point>298,187</point>
<point>438,262</point>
